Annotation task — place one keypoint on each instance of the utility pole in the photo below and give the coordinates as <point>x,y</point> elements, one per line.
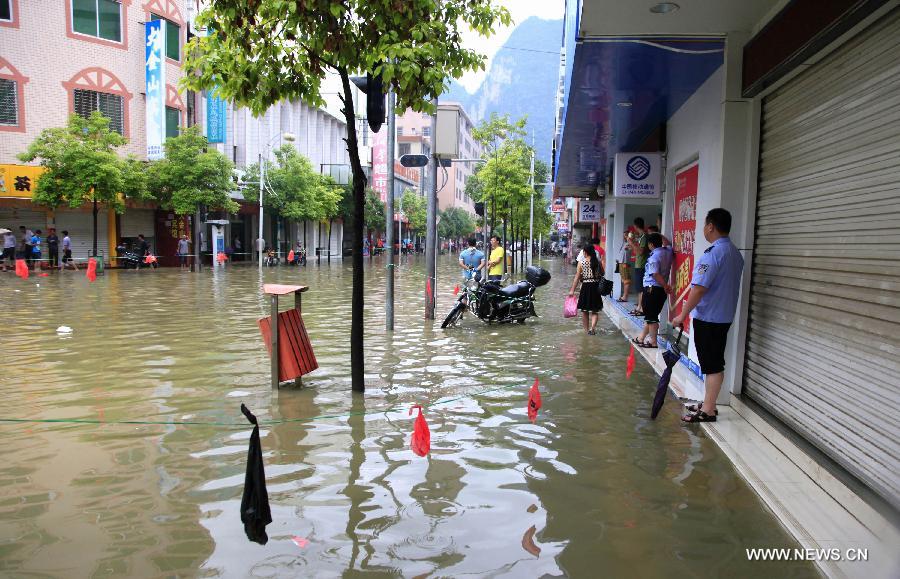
<point>531,208</point>
<point>389,209</point>
<point>262,180</point>
<point>431,224</point>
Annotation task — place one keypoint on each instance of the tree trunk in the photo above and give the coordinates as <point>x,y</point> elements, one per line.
<point>357,360</point>
<point>94,254</point>
<point>330,227</point>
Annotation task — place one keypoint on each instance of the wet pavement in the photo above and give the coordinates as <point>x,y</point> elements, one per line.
<point>594,488</point>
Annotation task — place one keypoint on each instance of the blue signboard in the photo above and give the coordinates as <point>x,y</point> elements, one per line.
<point>215,118</point>
<point>154,68</point>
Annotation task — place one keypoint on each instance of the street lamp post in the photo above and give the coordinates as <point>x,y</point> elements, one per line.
<point>262,184</point>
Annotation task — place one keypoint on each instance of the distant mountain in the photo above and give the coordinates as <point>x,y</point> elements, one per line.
<point>522,80</point>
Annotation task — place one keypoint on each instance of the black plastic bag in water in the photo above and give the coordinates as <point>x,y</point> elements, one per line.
<point>255,513</point>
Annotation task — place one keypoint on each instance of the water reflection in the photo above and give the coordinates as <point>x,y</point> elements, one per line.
<point>593,485</point>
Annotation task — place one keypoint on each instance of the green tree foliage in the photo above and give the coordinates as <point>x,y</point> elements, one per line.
<point>502,183</point>
<point>191,175</point>
<point>374,209</point>
<point>294,189</point>
<point>415,209</point>
<point>264,51</point>
<point>455,223</point>
<point>83,166</point>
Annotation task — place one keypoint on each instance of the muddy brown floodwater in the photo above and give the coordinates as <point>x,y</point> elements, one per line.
<point>592,489</point>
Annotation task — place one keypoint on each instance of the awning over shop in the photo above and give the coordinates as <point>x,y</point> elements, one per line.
<point>622,90</point>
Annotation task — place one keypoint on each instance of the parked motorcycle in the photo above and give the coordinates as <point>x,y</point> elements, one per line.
<point>492,303</point>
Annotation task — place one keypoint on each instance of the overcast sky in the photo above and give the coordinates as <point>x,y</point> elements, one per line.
<point>521,10</point>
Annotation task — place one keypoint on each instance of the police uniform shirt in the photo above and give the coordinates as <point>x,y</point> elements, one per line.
<point>660,261</point>
<point>719,271</point>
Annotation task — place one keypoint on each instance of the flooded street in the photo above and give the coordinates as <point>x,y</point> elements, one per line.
<point>593,488</point>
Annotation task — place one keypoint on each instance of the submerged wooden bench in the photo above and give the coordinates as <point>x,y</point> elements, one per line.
<point>293,354</point>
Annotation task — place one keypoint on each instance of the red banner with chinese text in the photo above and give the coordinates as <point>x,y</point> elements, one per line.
<point>685,215</point>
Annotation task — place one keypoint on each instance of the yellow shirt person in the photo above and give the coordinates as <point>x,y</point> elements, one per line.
<point>495,262</point>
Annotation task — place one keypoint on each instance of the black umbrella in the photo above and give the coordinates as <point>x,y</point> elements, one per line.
<point>255,513</point>
<point>671,357</point>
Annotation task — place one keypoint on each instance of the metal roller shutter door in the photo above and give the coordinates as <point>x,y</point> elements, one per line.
<point>12,218</point>
<point>823,352</point>
<point>80,225</point>
<point>137,221</point>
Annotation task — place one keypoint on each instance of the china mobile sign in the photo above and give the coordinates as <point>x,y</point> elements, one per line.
<point>154,69</point>
<point>638,175</point>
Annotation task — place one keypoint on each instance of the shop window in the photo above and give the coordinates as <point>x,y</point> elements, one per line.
<point>399,131</point>
<point>9,102</point>
<point>100,18</point>
<point>404,149</point>
<point>173,122</point>
<point>426,131</point>
<point>173,37</point>
<point>110,105</point>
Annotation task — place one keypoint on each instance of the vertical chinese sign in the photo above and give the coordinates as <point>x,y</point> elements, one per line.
<point>685,213</point>
<point>154,68</point>
<point>215,118</point>
<point>379,164</point>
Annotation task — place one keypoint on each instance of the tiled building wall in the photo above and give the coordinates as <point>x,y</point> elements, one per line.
<point>42,47</point>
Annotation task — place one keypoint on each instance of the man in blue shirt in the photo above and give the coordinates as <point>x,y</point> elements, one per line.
<point>656,286</point>
<point>716,283</point>
<point>471,260</point>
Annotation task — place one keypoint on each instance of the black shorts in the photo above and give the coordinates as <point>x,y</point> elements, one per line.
<point>9,254</point>
<point>710,339</point>
<point>653,302</point>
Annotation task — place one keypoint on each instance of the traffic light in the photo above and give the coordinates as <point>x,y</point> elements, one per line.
<point>479,208</point>
<point>414,160</point>
<point>373,87</point>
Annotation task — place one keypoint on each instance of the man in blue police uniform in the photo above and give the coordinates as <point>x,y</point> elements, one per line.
<point>656,286</point>
<point>716,283</point>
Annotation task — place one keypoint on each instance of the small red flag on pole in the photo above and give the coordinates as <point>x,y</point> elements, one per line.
<point>92,269</point>
<point>456,289</point>
<point>421,437</point>
<point>221,257</point>
<point>534,401</point>
<point>21,269</point>
<point>291,256</point>
<point>629,368</point>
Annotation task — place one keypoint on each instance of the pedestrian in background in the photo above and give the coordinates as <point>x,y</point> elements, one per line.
<point>67,251</point>
<point>590,302</point>
<point>656,287</point>
<point>715,285</point>
<point>471,261</point>
<point>53,248</point>
<point>638,242</point>
<point>9,249</point>
<point>36,249</point>
<point>183,251</point>
<point>624,268</point>
<point>495,261</point>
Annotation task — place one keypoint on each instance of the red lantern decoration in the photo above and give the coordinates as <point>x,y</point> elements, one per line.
<point>534,401</point>
<point>21,269</point>
<point>421,437</point>
<point>92,269</point>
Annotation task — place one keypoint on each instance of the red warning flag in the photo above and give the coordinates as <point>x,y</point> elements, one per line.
<point>21,269</point>
<point>456,289</point>
<point>291,256</point>
<point>629,368</point>
<point>221,257</point>
<point>421,437</point>
<point>534,401</point>
<point>150,258</point>
<point>92,269</point>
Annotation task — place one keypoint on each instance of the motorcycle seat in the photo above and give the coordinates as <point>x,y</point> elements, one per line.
<point>516,290</point>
